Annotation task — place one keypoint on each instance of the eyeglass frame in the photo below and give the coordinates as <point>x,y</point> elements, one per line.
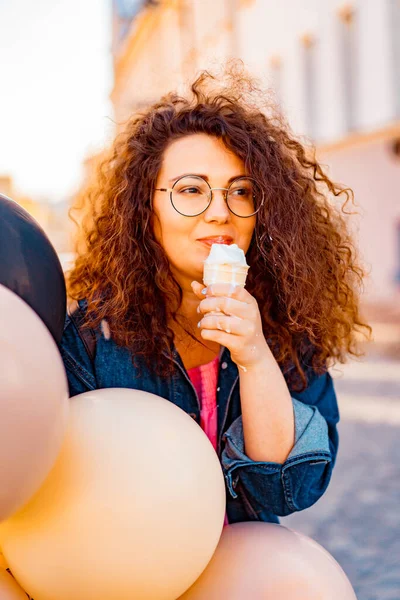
<point>226,190</point>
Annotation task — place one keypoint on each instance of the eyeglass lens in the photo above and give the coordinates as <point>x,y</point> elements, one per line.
<point>191,196</point>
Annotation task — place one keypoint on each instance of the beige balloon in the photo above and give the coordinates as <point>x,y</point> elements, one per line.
<point>33,402</point>
<point>9,588</point>
<point>3,564</point>
<point>265,561</point>
<point>134,507</point>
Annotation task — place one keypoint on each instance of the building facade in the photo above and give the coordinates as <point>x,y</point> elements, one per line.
<point>334,67</point>
<point>51,217</point>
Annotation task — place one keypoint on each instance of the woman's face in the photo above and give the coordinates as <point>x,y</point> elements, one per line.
<point>187,240</point>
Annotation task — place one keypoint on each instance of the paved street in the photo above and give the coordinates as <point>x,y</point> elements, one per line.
<point>358,519</point>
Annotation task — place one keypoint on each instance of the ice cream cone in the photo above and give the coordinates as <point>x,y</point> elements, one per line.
<point>223,273</point>
<point>225,264</point>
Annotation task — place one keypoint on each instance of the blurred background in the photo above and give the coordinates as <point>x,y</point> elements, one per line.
<point>73,71</point>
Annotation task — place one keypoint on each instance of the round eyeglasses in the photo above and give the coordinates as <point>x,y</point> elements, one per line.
<point>191,195</point>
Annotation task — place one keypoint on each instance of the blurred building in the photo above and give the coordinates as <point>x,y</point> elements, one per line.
<point>38,210</point>
<point>335,69</point>
<point>52,217</point>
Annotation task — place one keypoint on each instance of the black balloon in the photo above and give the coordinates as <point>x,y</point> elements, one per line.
<point>29,266</point>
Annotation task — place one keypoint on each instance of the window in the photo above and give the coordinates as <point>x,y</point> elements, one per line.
<point>347,49</point>
<point>275,66</point>
<point>308,59</point>
<point>126,11</point>
<point>397,273</point>
<point>231,10</point>
<point>394,34</point>
<point>187,38</point>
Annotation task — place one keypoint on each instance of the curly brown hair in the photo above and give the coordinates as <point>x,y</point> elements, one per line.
<point>304,272</point>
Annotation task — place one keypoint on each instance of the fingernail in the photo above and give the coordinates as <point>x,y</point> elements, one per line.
<point>204,291</point>
<point>199,324</point>
<point>232,288</point>
<point>198,309</point>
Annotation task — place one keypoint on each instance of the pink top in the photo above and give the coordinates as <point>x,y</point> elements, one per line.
<point>204,379</point>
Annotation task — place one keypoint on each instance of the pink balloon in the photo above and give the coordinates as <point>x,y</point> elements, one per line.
<point>33,402</point>
<point>9,588</point>
<point>265,561</point>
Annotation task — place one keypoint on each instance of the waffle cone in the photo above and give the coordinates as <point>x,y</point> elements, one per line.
<point>217,273</point>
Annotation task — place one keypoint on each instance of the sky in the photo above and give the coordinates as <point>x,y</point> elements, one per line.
<point>56,77</point>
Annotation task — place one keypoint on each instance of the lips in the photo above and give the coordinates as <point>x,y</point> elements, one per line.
<point>218,239</point>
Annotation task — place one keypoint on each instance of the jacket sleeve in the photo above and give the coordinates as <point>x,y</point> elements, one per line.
<point>302,479</point>
<point>77,363</point>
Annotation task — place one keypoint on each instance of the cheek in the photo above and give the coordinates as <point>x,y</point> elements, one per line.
<point>155,224</point>
<point>170,228</point>
<point>163,220</point>
<point>246,233</point>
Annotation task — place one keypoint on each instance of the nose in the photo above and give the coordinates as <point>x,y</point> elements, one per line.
<point>218,210</point>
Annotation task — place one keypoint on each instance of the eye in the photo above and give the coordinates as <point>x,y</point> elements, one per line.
<point>190,190</point>
<point>241,191</point>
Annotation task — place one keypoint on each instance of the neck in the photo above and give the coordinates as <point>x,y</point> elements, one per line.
<point>188,307</point>
<point>189,304</point>
<point>188,317</point>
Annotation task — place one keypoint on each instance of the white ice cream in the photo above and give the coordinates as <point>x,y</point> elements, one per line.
<point>224,254</point>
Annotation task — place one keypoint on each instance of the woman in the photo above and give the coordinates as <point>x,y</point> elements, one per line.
<point>178,180</point>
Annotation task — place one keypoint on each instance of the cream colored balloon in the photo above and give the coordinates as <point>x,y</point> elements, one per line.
<point>9,588</point>
<point>265,561</point>
<point>33,402</point>
<point>134,507</point>
<point>3,564</point>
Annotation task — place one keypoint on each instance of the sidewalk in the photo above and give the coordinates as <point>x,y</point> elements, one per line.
<point>369,391</point>
<point>358,518</point>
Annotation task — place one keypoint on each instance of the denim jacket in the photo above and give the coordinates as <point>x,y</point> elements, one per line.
<point>255,490</point>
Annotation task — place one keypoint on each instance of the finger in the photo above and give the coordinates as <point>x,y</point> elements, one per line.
<point>228,306</point>
<point>232,325</point>
<point>220,337</point>
<point>197,289</point>
<point>229,290</point>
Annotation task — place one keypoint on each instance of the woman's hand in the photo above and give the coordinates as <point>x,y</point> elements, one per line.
<point>230,316</point>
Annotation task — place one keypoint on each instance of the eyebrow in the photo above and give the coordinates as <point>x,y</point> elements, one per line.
<point>203,176</point>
